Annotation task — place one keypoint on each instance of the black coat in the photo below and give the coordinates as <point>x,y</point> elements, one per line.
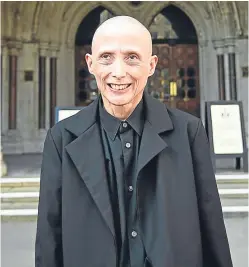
<point>178,203</point>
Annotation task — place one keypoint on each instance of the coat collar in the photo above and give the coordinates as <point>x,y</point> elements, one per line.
<point>91,164</point>
<point>156,114</point>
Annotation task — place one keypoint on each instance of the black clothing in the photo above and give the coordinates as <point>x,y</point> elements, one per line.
<point>121,141</point>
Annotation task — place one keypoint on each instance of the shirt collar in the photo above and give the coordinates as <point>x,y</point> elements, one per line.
<point>111,124</point>
<point>136,119</point>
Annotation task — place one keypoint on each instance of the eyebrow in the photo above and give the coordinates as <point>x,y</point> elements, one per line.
<point>128,51</point>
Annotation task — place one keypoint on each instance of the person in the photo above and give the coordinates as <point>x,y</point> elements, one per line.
<point>128,181</point>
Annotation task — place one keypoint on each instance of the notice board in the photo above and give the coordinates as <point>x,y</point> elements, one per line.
<point>226,131</point>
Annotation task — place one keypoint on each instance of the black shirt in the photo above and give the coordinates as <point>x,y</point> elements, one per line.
<point>121,141</point>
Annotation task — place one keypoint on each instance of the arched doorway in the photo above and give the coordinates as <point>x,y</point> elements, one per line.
<point>85,85</point>
<point>176,79</point>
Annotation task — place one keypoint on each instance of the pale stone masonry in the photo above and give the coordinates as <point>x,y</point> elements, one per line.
<point>48,29</point>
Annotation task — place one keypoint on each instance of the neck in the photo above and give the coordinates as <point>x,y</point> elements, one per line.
<point>121,112</point>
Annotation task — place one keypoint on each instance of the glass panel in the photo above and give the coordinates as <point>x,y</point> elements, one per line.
<point>165,72</point>
<point>82,85</point>
<point>191,83</point>
<point>181,94</point>
<point>93,84</point>
<point>192,93</point>
<point>191,71</point>
<point>180,72</point>
<point>83,73</point>
<point>172,23</point>
<point>163,27</point>
<point>82,95</point>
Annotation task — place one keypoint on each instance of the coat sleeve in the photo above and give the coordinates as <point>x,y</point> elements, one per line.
<point>48,245</point>
<point>215,247</point>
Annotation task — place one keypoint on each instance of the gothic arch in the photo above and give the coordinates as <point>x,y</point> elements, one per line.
<point>202,28</point>
<point>78,11</point>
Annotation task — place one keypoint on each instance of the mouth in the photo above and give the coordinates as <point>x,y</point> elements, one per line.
<point>118,87</point>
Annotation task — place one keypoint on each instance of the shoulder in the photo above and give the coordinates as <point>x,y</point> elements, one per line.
<point>184,122</point>
<point>60,133</point>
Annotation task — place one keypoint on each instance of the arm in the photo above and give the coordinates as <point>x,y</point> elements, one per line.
<point>216,252</point>
<point>48,246</point>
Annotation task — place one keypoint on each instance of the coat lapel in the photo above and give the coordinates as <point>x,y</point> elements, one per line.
<point>86,152</point>
<point>157,121</point>
<point>151,145</point>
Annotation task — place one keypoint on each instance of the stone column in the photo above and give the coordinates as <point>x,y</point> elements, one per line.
<point>227,82</point>
<point>222,83</point>
<point>203,46</point>
<point>66,76</point>
<point>231,55</point>
<point>230,50</point>
<point>4,88</point>
<point>53,81</point>
<point>3,165</point>
<point>28,97</point>
<point>11,87</point>
<point>43,86</point>
<point>13,72</point>
<point>45,53</point>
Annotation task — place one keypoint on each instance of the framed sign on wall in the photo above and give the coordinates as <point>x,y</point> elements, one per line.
<point>62,113</point>
<point>226,131</point>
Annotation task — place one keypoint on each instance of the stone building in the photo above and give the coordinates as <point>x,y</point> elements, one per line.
<point>202,49</point>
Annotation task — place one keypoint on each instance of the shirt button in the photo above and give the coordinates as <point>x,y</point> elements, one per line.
<point>125,124</point>
<point>128,145</point>
<point>133,233</point>
<point>130,188</point>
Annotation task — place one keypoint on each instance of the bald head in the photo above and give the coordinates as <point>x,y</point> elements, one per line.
<point>121,26</point>
<point>121,62</point>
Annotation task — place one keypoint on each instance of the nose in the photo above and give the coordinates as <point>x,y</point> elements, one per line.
<point>118,69</point>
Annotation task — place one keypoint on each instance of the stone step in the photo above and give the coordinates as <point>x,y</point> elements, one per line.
<point>23,197</point>
<point>31,214</point>
<point>26,183</point>
<point>19,205</point>
<point>232,186</point>
<point>232,181</point>
<point>20,189</point>
<point>234,193</point>
<point>18,215</point>
<point>238,202</point>
<point>228,193</point>
<point>20,196</point>
<point>19,182</point>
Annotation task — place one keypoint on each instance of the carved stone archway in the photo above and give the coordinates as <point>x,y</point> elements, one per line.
<point>79,11</point>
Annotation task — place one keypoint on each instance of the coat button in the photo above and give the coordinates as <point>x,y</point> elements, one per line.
<point>125,124</point>
<point>128,145</point>
<point>134,234</point>
<point>130,188</point>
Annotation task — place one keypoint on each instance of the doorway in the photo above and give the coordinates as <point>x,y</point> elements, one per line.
<point>176,79</point>
<point>86,89</point>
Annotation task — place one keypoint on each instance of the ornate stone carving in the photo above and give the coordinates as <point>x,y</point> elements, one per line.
<point>44,49</point>
<point>14,47</point>
<point>238,28</point>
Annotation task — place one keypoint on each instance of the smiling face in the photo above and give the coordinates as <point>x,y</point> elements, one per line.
<point>121,61</point>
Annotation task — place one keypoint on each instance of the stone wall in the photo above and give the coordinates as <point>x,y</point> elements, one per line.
<point>36,28</point>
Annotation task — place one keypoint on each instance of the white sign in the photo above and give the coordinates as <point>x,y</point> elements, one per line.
<point>65,113</point>
<point>227,130</point>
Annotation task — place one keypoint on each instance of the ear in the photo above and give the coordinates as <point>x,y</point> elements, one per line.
<point>89,62</point>
<point>153,63</point>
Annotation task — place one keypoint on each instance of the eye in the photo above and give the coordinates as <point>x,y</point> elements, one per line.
<point>133,57</point>
<point>106,56</point>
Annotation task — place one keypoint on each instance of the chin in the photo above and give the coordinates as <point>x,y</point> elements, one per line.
<point>121,98</point>
<point>119,101</point>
